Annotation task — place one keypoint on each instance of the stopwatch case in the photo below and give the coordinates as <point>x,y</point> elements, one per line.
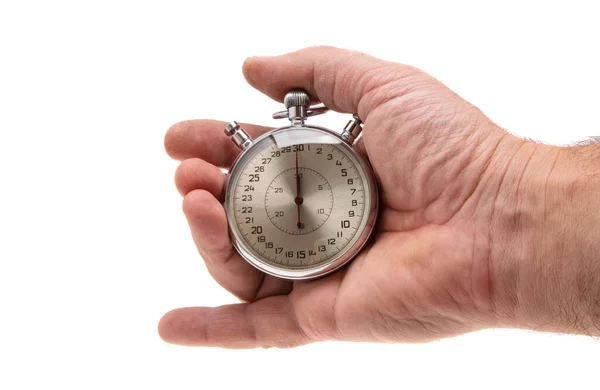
<point>309,272</point>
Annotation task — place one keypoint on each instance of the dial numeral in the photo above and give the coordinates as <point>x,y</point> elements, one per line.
<point>256,230</point>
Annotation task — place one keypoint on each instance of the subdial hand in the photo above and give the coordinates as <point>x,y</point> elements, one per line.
<point>298,200</point>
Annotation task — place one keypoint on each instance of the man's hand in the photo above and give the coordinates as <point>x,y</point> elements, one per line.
<point>463,240</point>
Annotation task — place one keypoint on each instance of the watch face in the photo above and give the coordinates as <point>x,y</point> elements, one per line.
<point>300,202</point>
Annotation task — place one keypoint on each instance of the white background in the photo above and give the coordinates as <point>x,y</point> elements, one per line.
<point>94,247</point>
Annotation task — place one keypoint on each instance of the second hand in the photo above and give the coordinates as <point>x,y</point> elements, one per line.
<point>298,200</point>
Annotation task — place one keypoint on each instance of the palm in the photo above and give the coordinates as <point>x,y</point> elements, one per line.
<point>413,296</point>
<point>417,274</point>
<point>423,275</point>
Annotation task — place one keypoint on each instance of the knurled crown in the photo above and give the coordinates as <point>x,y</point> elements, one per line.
<point>231,128</point>
<point>296,97</point>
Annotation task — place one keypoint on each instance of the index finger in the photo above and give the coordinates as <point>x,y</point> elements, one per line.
<point>204,139</point>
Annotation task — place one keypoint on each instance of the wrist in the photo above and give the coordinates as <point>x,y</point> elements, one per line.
<point>545,255</point>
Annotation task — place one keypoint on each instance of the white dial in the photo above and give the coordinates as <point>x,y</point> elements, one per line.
<point>300,205</point>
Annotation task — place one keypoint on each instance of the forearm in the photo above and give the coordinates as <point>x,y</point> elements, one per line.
<point>545,240</point>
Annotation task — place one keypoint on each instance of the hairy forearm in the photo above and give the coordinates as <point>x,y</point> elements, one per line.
<point>545,239</point>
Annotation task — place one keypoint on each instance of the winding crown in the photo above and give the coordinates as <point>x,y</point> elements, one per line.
<point>296,97</point>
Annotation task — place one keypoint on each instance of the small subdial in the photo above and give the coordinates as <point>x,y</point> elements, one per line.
<point>299,204</point>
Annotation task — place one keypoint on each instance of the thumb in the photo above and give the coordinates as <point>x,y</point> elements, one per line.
<point>344,80</point>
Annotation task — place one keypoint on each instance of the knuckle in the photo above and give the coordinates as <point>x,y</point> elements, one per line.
<point>310,325</point>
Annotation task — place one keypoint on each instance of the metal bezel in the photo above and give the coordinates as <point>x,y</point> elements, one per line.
<point>330,266</point>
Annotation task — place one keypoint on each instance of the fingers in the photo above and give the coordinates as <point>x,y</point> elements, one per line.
<point>305,316</point>
<point>343,80</point>
<point>208,225</point>
<point>195,174</point>
<point>230,270</point>
<point>269,322</point>
<point>205,139</point>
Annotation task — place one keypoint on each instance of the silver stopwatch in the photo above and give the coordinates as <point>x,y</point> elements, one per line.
<point>300,200</point>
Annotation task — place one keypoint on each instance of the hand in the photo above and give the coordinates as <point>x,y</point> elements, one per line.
<point>448,254</point>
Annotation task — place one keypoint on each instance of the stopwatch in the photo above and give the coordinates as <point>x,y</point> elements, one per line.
<point>300,200</point>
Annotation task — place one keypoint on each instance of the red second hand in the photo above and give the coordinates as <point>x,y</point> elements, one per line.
<point>298,200</point>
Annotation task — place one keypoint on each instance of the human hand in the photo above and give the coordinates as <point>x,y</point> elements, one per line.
<point>442,260</point>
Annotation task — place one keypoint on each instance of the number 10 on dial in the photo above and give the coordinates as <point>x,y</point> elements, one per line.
<point>300,201</point>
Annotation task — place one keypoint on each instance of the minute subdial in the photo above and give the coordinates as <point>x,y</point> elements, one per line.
<point>281,201</point>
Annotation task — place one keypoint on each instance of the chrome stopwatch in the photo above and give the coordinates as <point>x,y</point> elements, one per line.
<point>300,200</point>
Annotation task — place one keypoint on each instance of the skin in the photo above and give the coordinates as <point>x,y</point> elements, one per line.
<point>478,228</point>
